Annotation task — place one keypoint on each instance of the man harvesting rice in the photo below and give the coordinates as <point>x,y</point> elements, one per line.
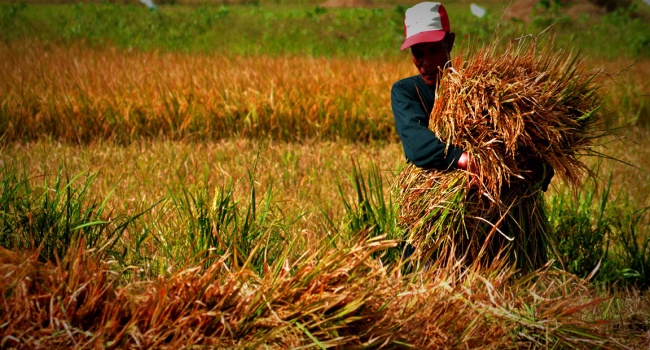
<point>447,216</point>
<point>428,35</point>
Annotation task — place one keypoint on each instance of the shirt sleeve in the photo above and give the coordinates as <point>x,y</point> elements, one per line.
<point>421,146</point>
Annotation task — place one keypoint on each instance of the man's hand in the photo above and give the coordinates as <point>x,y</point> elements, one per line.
<point>463,161</point>
<point>550,172</point>
<point>539,173</point>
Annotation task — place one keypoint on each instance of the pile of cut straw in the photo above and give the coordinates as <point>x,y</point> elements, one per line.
<point>329,297</point>
<point>517,113</point>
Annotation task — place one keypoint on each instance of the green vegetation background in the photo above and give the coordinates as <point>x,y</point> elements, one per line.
<point>306,28</point>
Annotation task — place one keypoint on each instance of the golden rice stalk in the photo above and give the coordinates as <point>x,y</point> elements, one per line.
<point>328,297</point>
<point>512,112</point>
<point>527,104</point>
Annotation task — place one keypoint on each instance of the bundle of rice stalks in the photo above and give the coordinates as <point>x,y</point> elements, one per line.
<point>519,114</point>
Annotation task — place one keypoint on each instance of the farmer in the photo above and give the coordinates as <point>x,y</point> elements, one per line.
<point>429,36</point>
<point>430,39</point>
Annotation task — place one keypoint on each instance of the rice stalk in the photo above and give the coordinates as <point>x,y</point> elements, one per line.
<point>516,113</point>
<point>327,297</point>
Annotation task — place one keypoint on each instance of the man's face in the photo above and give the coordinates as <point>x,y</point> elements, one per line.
<point>430,58</point>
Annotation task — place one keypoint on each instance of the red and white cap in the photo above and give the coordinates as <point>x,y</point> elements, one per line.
<point>425,22</point>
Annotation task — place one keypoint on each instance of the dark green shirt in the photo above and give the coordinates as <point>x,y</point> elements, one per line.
<point>412,101</point>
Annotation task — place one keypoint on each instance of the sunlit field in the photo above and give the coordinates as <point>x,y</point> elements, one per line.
<point>123,96</point>
<point>165,192</point>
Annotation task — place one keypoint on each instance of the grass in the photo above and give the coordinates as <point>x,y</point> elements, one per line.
<point>301,29</point>
<point>50,218</point>
<point>598,233</point>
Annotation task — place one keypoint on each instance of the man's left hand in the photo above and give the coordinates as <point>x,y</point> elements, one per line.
<point>539,173</point>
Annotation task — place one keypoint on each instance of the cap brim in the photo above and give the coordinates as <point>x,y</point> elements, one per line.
<point>424,37</point>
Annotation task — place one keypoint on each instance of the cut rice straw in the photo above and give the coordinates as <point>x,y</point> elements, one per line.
<point>519,114</point>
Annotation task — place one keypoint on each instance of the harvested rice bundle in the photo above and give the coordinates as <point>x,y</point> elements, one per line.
<point>513,112</point>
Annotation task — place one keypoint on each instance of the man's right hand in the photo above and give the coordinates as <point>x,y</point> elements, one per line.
<point>463,161</point>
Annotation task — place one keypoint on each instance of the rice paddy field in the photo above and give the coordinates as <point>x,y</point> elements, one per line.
<point>225,175</point>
